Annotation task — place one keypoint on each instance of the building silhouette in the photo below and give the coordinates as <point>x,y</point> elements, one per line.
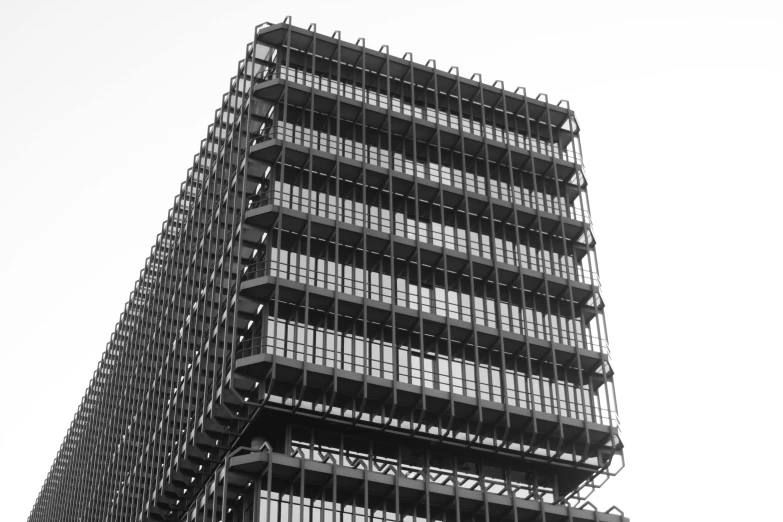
<point>375,298</point>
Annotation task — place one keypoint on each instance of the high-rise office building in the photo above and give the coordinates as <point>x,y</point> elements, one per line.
<point>375,298</point>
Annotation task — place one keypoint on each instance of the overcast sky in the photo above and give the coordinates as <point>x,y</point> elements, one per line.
<point>680,109</point>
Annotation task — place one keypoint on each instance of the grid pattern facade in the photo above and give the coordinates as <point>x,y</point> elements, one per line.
<point>375,298</point>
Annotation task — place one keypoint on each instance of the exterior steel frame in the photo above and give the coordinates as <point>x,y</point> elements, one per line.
<point>376,296</point>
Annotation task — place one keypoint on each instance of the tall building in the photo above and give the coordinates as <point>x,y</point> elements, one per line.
<point>375,298</point>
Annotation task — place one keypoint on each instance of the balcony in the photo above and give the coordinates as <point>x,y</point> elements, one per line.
<point>411,304</point>
<point>432,233</point>
<point>319,108</point>
<point>374,98</point>
<point>439,174</point>
<point>468,383</point>
<point>386,493</point>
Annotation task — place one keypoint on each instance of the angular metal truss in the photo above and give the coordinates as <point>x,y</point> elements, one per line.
<point>376,298</point>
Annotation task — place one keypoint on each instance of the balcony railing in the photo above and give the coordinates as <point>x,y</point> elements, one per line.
<point>462,381</point>
<point>440,174</point>
<point>456,305</point>
<point>453,121</point>
<point>433,233</point>
<point>500,482</point>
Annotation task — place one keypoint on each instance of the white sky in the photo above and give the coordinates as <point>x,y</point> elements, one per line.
<point>680,109</point>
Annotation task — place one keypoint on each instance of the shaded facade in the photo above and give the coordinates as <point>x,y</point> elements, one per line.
<point>375,298</point>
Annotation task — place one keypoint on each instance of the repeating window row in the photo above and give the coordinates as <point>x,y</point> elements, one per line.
<point>473,125</point>
<point>438,468</point>
<point>465,431</point>
<point>430,231</point>
<point>486,308</point>
<point>290,507</point>
<point>424,360</point>
<point>440,173</point>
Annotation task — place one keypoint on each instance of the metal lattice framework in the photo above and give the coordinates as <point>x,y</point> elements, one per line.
<point>376,297</point>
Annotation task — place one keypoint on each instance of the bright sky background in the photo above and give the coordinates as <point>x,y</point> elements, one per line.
<point>680,109</point>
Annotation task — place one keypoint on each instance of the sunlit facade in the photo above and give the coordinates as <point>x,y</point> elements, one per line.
<point>376,298</point>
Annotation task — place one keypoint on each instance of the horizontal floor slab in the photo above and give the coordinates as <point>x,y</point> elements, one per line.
<point>381,489</point>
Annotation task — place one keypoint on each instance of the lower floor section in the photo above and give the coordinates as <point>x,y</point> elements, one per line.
<point>261,486</point>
